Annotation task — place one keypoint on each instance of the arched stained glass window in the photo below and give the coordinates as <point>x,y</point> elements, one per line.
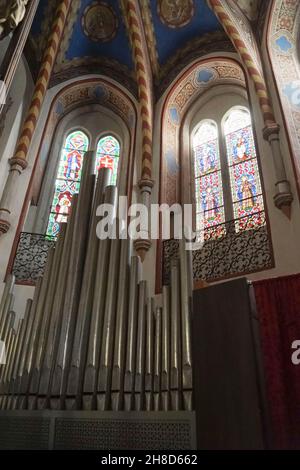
<point>108,155</point>
<point>208,179</point>
<point>246,189</point>
<point>67,180</point>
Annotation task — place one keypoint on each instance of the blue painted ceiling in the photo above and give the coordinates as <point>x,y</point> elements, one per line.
<point>169,40</point>
<point>117,48</point>
<point>79,50</point>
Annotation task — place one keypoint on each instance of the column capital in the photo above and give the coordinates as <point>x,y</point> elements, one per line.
<point>283,199</point>
<point>18,164</point>
<point>141,247</point>
<point>271,130</point>
<point>146,185</point>
<point>4,224</point>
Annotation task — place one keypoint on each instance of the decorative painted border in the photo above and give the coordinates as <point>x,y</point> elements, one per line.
<point>283,49</point>
<point>101,65</point>
<point>193,50</point>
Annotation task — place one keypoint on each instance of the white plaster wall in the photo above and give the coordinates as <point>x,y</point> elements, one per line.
<point>20,92</point>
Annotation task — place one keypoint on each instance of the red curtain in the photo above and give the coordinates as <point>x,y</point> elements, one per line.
<point>278,305</point>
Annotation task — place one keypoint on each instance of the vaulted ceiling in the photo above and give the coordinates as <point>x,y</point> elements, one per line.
<point>96,37</point>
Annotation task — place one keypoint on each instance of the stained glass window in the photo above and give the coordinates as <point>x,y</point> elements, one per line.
<point>245,181</point>
<point>208,178</point>
<point>67,180</point>
<point>108,154</point>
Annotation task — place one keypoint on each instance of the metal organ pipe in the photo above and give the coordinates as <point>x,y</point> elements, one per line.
<point>92,337</point>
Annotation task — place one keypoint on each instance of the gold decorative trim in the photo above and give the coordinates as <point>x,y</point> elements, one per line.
<point>150,37</point>
<point>72,17</point>
<point>190,46</point>
<point>100,60</point>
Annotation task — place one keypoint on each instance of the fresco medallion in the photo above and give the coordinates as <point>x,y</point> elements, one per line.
<point>175,13</point>
<point>99,22</point>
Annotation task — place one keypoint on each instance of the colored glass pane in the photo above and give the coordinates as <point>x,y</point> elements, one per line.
<point>108,154</point>
<point>237,119</point>
<point>64,191</point>
<point>208,180</point>
<point>240,146</point>
<point>68,179</point>
<point>206,132</point>
<point>53,226</point>
<point>206,158</point>
<point>209,198</point>
<point>70,165</point>
<point>245,181</point>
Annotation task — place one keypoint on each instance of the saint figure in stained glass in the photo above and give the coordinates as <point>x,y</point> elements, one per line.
<point>247,194</point>
<point>208,181</point>
<point>243,168</point>
<point>68,179</point>
<point>63,206</point>
<point>73,166</point>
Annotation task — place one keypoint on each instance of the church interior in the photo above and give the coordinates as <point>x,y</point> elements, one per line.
<point>162,340</point>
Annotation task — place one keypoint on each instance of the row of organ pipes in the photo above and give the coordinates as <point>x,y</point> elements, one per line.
<point>92,338</point>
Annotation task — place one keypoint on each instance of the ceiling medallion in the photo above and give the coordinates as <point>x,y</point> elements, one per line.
<point>175,13</point>
<point>99,22</point>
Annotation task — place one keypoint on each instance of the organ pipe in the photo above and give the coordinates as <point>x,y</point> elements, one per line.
<point>92,337</point>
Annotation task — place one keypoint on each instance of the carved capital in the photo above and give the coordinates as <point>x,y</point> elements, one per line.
<point>18,164</point>
<point>146,185</point>
<point>283,201</point>
<point>4,226</point>
<point>271,130</point>
<point>141,247</point>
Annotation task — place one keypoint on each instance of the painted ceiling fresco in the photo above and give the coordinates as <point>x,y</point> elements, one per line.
<point>177,22</point>
<point>96,38</point>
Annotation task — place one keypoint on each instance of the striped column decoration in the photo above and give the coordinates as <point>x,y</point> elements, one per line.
<point>144,80</point>
<point>135,28</point>
<point>42,84</point>
<point>241,47</point>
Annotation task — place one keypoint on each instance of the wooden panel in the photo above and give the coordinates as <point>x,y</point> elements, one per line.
<point>227,382</point>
